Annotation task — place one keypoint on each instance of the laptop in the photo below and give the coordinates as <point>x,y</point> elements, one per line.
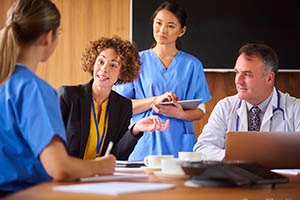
<point>273,150</point>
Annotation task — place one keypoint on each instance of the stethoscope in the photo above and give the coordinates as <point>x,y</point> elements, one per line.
<point>278,108</point>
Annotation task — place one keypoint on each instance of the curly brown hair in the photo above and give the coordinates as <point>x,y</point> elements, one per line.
<point>127,54</point>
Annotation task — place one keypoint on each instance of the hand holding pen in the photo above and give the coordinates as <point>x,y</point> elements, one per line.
<point>109,147</point>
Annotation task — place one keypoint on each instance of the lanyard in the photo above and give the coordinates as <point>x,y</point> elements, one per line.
<point>99,142</point>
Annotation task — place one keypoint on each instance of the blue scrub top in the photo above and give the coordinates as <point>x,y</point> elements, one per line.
<point>185,77</point>
<point>30,118</point>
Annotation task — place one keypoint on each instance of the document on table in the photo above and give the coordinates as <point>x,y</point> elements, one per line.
<point>129,169</point>
<point>115,176</point>
<point>287,171</point>
<point>125,166</point>
<point>113,188</point>
<point>129,164</point>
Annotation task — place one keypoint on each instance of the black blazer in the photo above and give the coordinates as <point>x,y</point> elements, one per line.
<point>75,103</point>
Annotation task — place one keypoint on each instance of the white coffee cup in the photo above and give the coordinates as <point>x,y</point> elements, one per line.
<point>171,166</point>
<point>154,161</point>
<point>191,156</point>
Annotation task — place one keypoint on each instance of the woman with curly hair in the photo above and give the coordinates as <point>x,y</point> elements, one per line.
<point>93,114</point>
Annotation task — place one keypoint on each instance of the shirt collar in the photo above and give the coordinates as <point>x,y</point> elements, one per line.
<point>263,105</point>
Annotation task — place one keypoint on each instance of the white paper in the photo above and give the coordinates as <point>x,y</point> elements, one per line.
<point>129,169</point>
<point>115,176</point>
<point>129,166</point>
<point>129,162</point>
<point>113,188</point>
<point>287,171</point>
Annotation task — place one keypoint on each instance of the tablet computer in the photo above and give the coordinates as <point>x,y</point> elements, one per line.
<point>186,104</point>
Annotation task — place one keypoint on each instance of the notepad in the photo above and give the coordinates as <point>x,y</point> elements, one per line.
<point>113,188</point>
<point>287,171</point>
<point>130,169</point>
<point>115,176</point>
<point>129,164</point>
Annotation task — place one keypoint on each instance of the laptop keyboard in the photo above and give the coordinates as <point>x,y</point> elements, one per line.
<point>241,174</point>
<point>257,173</point>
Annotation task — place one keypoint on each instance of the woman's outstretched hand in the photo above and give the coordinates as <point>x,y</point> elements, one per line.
<point>150,124</point>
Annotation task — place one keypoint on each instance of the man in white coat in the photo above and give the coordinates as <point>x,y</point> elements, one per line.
<point>256,68</point>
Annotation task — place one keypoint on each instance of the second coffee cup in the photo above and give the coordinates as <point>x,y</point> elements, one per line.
<point>154,161</point>
<point>191,156</point>
<point>171,166</point>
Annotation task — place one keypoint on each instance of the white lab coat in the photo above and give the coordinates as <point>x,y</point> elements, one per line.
<point>231,110</point>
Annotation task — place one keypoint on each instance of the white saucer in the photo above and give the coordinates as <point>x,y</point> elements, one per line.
<point>145,168</point>
<point>161,174</point>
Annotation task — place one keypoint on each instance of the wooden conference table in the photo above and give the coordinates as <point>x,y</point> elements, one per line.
<point>286,191</point>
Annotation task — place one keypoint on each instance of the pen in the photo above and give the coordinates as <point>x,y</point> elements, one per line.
<point>109,147</point>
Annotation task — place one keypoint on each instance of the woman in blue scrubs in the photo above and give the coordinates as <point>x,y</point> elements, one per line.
<point>167,74</point>
<point>32,133</point>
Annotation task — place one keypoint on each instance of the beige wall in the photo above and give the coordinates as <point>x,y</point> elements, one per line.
<point>82,20</point>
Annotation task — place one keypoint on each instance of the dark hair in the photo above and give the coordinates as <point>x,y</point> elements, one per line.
<point>26,21</point>
<point>265,52</point>
<point>178,11</point>
<point>126,51</point>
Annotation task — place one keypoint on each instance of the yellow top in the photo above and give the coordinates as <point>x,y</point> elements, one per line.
<point>91,146</point>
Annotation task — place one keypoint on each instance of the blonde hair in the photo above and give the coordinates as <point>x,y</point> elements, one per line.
<point>26,21</point>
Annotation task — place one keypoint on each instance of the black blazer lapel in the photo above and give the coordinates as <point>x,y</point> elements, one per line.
<point>85,107</point>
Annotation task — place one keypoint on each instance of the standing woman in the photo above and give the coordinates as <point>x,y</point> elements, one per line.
<point>32,133</point>
<point>167,74</point>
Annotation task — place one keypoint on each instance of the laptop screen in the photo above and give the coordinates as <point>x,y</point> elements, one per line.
<point>274,150</point>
